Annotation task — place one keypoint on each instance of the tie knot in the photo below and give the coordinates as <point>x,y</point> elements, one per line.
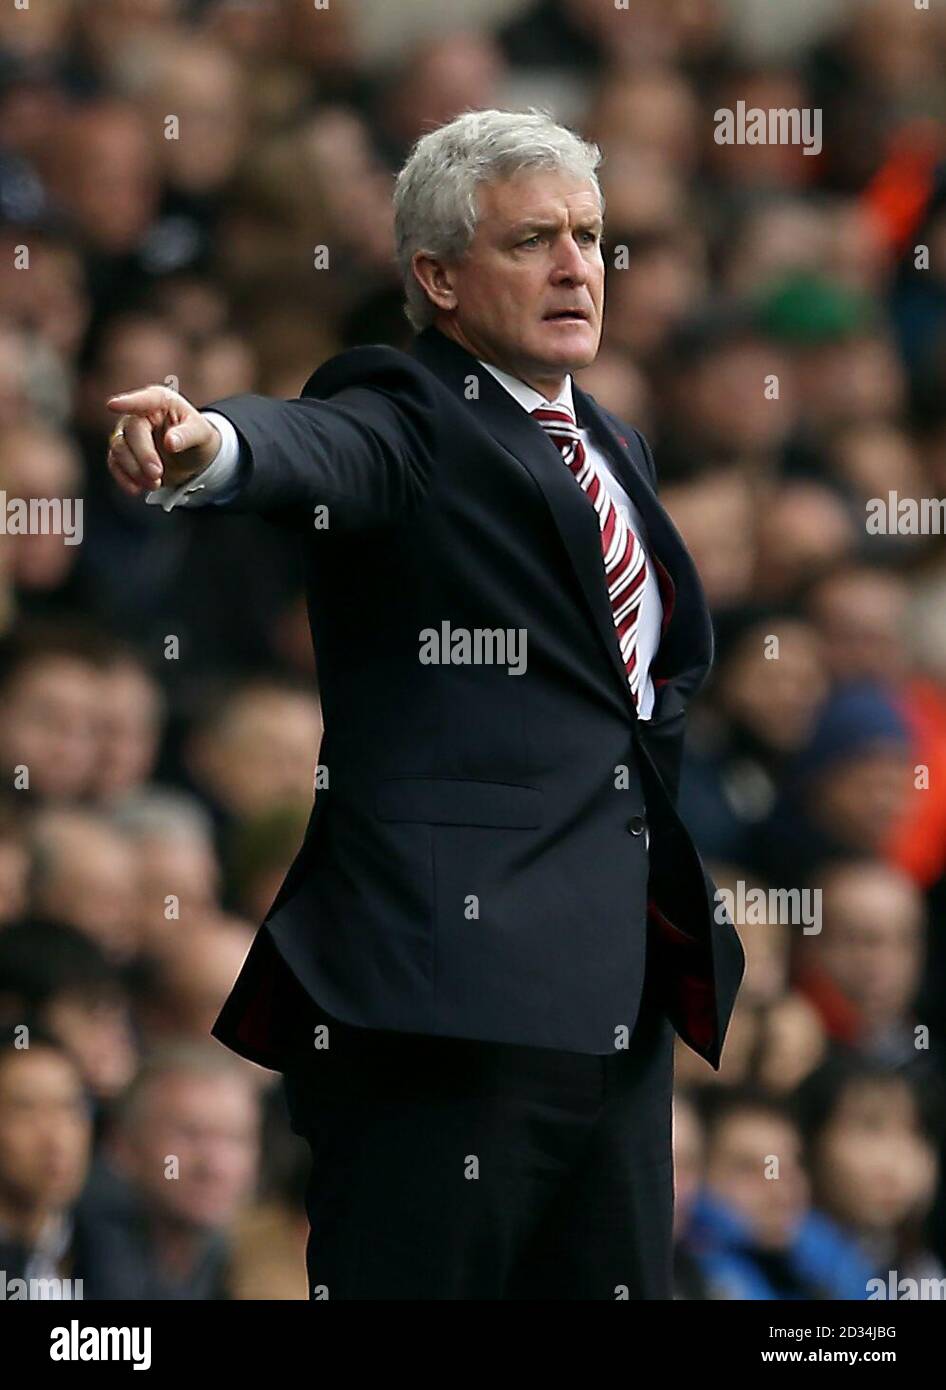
<point>559,424</point>
<point>555,418</point>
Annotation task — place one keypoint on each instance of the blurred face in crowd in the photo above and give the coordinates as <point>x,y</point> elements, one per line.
<point>860,800</point>
<point>861,616</point>
<point>657,290</point>
<point>740,1155</point>
<point>201,84</point>
<point>262,752</point>
<point>197,970</point>
<point>104,172</point>
<point>894,54</point>
<point>775,696</point>
<point>135,347</point>
<point>49,722</point>
<point>37,30</point>
<point>86,877</point>
<point>45,1132</point>
<point>653,110</point>
<point>872,941</point>
<point>873,1166</point>
<point>707,512</point>
<point>875,458</point>
<point>801,528</point>
<point>98,1034</point>
<point>722,404</point>
<point>129,728</point>
<point>37,463</point>
<point>528,295</point>
<point>52,301</point>
<point>766,945</point>
<point>852,380</point>
<point>783,235</point>
<point>775,164</point>
<point>209,1123</point>
<point>447,74</point>
<point>183,865</point>
<point>618,384</point>
<point>794,1043</point>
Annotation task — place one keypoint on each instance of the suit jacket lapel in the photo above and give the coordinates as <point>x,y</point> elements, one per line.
<point>686,644</point>
<point>575,519</point>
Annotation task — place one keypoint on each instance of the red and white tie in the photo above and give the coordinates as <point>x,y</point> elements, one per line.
<point>625,564</point>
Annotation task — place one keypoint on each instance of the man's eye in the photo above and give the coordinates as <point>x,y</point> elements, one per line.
<point>529,240</point>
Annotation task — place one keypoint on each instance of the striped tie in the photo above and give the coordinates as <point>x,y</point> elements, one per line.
<point>625,564</point>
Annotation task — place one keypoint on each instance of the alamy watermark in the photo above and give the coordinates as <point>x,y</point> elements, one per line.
<point>894,515</point>
<point>477,646</point>
<point>899,1288</point>
<point>16,1289</point>
<point>77,1343</point>
<point>790,907</point>
<point>779,125</point>
<point>42,516</point>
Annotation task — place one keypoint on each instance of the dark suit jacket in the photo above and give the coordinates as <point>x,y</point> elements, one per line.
<point>476,867</point>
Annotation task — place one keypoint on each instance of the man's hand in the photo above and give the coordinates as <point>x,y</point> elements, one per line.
<point>160,440</point>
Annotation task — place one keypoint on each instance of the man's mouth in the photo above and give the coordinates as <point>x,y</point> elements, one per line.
<point>569,315</point>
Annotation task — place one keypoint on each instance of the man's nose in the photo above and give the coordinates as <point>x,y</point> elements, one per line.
<point>569,263</point>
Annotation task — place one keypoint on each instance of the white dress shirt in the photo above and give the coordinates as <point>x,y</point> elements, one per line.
<point>218,477</point>
<point>650,614</point>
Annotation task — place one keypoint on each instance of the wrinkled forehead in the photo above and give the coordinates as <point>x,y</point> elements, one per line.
<point>548,195</point>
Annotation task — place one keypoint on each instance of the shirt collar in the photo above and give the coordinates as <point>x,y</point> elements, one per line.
<point>527,396</point>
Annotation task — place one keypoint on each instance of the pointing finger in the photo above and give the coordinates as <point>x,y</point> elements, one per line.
<point>150,401</point>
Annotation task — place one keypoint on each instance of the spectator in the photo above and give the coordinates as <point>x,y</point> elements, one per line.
<point>48,714</point>
<point>257,750</point>
<point>181,1163</point>
<point>178,877</point>
<point>874,1165</point>
<point>131,715</point>
<point>863,969</point>
<point>45,1147</point>
<point>845,789</point>
<point>59,976</point>
<point>84,875</point>
<point>752,1228</point>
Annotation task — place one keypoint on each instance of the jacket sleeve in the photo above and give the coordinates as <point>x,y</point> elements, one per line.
<point>365,455</point>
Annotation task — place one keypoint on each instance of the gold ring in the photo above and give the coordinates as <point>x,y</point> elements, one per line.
<point>117,433</point>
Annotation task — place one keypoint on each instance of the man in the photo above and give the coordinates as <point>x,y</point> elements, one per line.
<point>45,1144</point>
<point>179,1166</point>
<point>496,856</point>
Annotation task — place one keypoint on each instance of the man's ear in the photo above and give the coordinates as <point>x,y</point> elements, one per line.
<point>435,279</point>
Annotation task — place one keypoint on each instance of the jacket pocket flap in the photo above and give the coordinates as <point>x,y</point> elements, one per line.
<point>451,801</point>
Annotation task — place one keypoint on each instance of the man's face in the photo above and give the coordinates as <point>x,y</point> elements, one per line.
<point>737,1172</point>
<point>211,1125</point>
<point>535,256</point>
<point>45,1130</point>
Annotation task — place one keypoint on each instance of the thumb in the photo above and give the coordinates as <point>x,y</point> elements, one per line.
<point>186,434</point>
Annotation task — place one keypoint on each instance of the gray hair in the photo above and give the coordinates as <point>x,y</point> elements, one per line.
<point>162,812</point>
<point>202,1059</point>
<point>435,207</point>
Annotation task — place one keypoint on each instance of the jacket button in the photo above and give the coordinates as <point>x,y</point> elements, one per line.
<point>637,825</point>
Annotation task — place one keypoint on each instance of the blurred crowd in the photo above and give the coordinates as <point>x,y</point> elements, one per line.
<point>775,325</point>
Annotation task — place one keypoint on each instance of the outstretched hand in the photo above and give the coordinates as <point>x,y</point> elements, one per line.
<point>160,440</point>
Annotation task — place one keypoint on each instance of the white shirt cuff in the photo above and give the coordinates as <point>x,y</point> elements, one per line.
<point>215,478</point>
